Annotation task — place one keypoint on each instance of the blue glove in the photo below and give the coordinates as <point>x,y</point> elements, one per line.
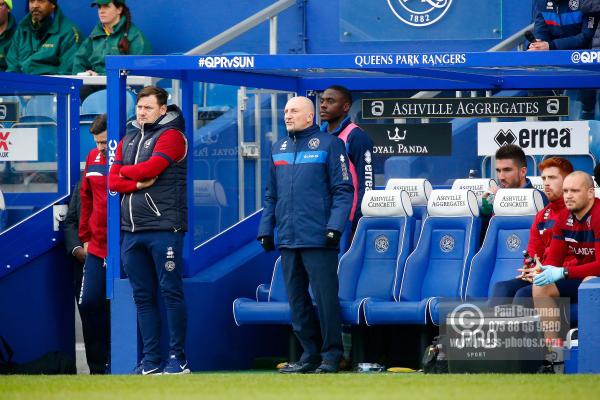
<point>549,274</point>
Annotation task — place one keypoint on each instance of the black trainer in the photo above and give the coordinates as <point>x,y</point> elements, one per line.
<point>327,368</point>
<point>299,368</point>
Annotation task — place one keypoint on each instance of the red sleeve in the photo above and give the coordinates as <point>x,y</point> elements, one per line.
<point>536,247</point>
<point>558,248</point>
<point>116,182</point>
<point>171,147</point>
<point>588,269</point>
<point>85,209</point>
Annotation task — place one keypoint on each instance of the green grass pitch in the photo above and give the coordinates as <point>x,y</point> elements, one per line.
<point>271,385</point>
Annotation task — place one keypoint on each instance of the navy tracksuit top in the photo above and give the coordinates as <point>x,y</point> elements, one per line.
<point>309,189</point>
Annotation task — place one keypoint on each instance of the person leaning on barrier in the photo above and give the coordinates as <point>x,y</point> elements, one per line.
<point>308,197</point>
<point>335,106</point>
<point>150,172</point>
<point>553,171</point>
<point>8,26</point>
<point>115,34</point>
<point>45,41</point>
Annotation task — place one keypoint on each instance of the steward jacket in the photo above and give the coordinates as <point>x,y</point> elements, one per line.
<point>563,25</point>
<point>309,189</point>
<point>92,220</point>
<point>6,40</point>
<point>153,150</point>
<point>46,50</point>
<point>99,44</point>
<point>359,147</point>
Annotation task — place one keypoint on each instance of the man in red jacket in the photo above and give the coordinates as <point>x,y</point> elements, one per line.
<point>92,233</point>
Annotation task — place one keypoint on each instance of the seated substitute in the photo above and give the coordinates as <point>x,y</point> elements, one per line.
<point>553,171</point>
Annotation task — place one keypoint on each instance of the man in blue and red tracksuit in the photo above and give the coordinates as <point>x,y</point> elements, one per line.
<point>150,171</point>
<point>553,171</point>
<point>308,198</point>
<point>91,250</point>
<point>561,25</point>
<point>335,106</point>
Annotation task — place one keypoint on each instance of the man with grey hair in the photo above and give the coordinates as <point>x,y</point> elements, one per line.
<point>308,198</point>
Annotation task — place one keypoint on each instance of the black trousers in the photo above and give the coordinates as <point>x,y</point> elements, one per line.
<point>94,312</point>
<point>317,267</point>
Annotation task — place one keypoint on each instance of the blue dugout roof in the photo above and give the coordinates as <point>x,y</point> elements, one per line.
<point>381,71</point>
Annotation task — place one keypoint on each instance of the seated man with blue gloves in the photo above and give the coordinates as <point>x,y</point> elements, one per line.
<point>308,198</point>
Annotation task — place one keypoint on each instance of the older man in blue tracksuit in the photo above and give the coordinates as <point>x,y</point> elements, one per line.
<point>308,198</point>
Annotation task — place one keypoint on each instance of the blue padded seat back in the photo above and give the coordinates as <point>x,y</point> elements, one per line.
<point>439,264</point>
<point>500,255</point>
<point>419,214</point>
<point>278,291</point>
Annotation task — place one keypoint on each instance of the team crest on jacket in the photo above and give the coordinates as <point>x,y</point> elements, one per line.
<point>382,244</point>
<point>170,266</point>
<point>147,143</point>
<point>419,13</point>
<point>314,143</point>
<point>574,4</point>
<point>283,145</point>
<point>513,242</point>
<point>570,220</point>
<point>447,243</point>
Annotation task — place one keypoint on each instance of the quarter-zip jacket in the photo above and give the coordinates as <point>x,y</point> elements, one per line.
<point>309,189</point>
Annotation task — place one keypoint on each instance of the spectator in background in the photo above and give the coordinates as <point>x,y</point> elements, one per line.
<point>588,97</point>
<point>553,170</point>
<point>335,106</point>
<point>562,25</point>
<point>45,41</point>
<point>8,25</point>
<point>114,35</point>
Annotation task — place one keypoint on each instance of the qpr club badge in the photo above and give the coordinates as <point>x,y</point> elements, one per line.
<point>419,13</point>
<point>513,242</point>
<point>382,244</point>
<point>447,243</point>
<point>574,5</point>
<point>314,143</point>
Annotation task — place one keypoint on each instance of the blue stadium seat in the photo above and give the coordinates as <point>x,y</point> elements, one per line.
<point>381,245</point>
<point>419,191</point>
<point>537,182</point>
<point>581,162</point>
<point>486,166</point>
<point>40,106</point>
<point>274,309</point>
<point>97,103</point>
<point>439,264</point>
<point>502,250</point>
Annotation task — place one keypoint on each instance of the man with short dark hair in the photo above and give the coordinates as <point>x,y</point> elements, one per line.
<point>45,41</point>
<point>335,106</point>
<point>511,171</point>
<point>150,172</point>
<point>93,306</point>
<point>8,25</point>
